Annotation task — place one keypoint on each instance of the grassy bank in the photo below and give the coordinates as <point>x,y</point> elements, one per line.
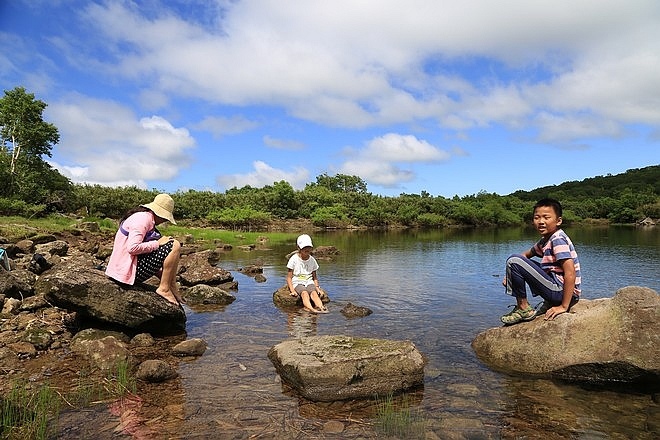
<point>19,228</point>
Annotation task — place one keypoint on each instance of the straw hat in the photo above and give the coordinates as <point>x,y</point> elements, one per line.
<point>162,206</point>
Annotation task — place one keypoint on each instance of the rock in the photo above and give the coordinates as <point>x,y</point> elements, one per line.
<point>331,368</point>
<point>200,268</point>
<point>57,247</point>
<point>22,247</point>
<point>190,347</point>
<point>352,311</point>
<point>18,283</point>
<point>104,353</point>
<point>154,371</point>
<point>614,340</point>
<point>40,338</point>
<point>143,340</point>
<point>76,286</point>
<point>11,306</point>
<point>325,252</point>
<point>9,359</point>
<point>203,294</point>
<point>23,349</point>
<point>281,298</point>
<point>251,270</point>
<point>89,226</point>
<point>333,427</point>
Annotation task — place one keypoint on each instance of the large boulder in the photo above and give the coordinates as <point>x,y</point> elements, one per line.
<point>330,368</point>
<point>614,340</point>
<point>75,285</point>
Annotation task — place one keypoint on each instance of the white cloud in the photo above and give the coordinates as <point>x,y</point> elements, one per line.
<point>220,126</point>
<point>104,142</point>
<point>263,175</point>
<point>394,147</point>
<point>357,64</point>
<point>283,144</point>
<point>377,161</point>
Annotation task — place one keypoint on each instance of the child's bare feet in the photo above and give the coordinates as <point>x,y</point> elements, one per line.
<point>168,295</point>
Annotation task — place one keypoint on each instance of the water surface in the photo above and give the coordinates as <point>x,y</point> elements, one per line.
<point>438,289</point>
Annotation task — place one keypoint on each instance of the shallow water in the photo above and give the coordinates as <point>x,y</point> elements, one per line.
<point>438,289</point>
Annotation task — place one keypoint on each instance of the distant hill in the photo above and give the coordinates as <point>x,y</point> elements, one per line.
<point>639,180</point>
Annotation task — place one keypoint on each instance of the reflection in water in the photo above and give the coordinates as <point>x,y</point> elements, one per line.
<point>437,289</point>
<point>301,323</point>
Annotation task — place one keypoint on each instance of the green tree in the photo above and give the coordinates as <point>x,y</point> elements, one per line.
<point>342,183</point>
<point>24,138</point>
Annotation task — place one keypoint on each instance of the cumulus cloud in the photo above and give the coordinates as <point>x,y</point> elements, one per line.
<point>560,73</point>
<point>283,144</point>
<point>356,64</point>
<point>106,143</point>
<point>220,126</point>
<point>263,175</point>
<point>379,161</point>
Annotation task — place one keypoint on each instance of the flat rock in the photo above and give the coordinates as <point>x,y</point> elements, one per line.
<point>331,368</point>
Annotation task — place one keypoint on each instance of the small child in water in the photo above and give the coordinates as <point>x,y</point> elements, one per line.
<point>301,276</point>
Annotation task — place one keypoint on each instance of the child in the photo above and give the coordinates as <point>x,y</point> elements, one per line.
<point>556,278</point>
<point>301,276</point>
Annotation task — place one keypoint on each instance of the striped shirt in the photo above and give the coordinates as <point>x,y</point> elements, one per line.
<point>555,250</point>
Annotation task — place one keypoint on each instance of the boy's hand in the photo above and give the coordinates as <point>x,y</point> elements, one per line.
<point>553,312</point>
<point>504,281</point>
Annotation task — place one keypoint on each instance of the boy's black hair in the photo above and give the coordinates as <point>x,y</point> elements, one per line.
<point>554,204</point>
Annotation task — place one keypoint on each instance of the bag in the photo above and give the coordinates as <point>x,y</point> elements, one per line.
<point>152,235</point>
<point>4,260</point>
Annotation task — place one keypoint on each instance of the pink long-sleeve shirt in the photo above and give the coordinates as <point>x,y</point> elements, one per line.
<point>122,265</point>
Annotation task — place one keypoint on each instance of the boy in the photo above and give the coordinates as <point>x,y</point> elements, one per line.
<point>556,278</point>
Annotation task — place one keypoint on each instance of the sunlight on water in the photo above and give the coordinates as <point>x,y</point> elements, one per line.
<point>438,289</point>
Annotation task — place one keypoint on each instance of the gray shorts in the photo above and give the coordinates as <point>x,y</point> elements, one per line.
<point>309,288</point>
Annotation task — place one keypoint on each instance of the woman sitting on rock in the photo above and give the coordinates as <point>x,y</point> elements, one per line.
<point>140,252</point>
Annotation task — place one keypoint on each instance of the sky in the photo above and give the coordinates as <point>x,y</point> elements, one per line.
<point>450,97</point>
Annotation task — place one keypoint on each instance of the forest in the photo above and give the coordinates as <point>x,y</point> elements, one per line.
<point>32,188</point>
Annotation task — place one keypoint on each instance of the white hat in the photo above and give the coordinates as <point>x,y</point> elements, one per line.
<point>303,241</point>
<point>162,206</point>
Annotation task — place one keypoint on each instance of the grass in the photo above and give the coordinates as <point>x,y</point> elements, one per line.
<point>18,228</point>
<point>33,414</point>
<point>234,238</point>
<point>396,418</point>
<point>26,413</point>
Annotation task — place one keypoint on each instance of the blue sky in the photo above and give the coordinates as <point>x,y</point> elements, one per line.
<point>451,97</point>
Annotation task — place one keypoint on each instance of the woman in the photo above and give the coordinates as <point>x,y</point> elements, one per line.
<point>140,252</point>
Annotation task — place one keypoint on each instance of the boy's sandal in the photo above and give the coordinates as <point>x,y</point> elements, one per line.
<point>518,315</point>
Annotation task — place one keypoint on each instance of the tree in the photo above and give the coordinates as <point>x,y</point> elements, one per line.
<point>24,138</point>
<point>342,183</point>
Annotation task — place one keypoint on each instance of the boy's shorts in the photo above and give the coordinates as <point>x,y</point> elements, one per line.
<point>150,264</point>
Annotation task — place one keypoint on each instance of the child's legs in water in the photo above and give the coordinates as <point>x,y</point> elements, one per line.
<point>316,299</point>
<point>304,292</point>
